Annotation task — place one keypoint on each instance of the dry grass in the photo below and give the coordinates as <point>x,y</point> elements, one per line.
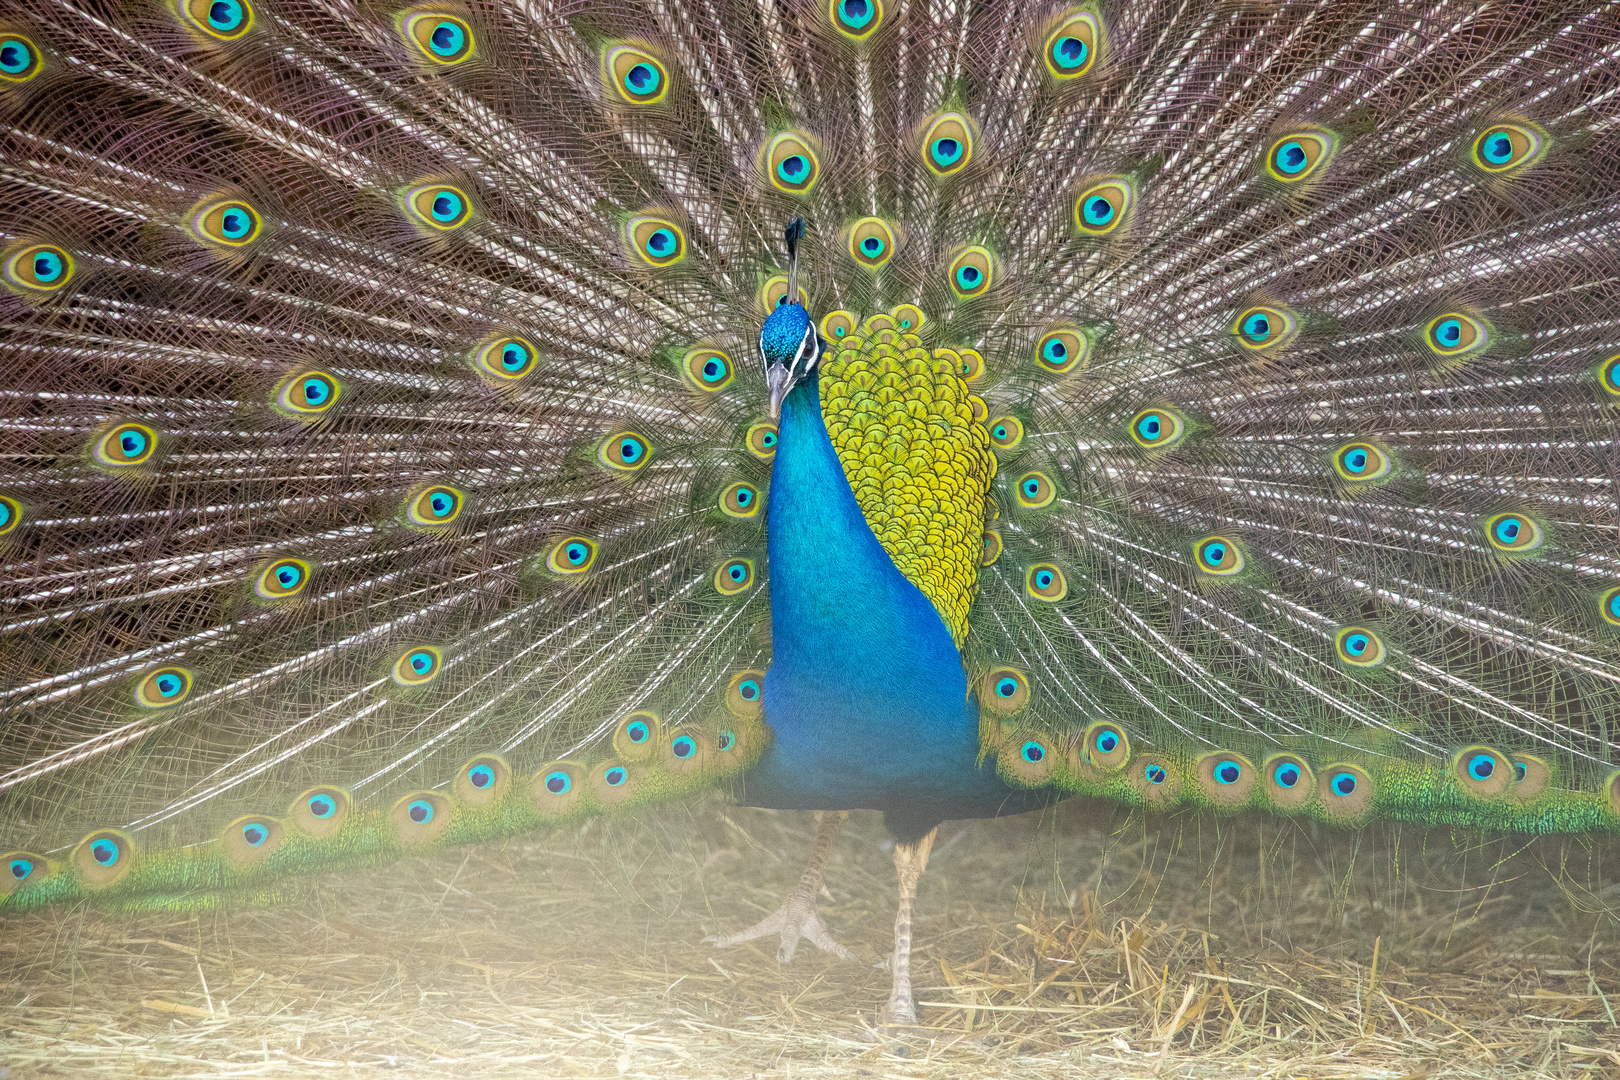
<point>1087,943</point>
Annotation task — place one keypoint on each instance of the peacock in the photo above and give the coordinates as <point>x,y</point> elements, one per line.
<point>425,424</point>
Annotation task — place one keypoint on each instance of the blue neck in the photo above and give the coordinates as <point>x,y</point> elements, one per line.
<point>866,696</point>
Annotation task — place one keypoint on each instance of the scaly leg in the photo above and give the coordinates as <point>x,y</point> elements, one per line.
<point>797,916</point>
<point>910,860</point>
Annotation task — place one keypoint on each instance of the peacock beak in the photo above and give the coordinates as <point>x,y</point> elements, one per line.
<point>778,380</point>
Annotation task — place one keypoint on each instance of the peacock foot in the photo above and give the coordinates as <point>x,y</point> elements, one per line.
<point>797,917</point>
<point>910,860</point>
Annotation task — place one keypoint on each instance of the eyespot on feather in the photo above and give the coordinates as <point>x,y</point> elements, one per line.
<point>613,782</point>
<point>434,507</point>
<point>437,207</point>
<point>947,144</point>
<point>871,243</point>
<point>761,440</point>
<point>1288,781</point>
<point>282,579</point>
<point>1044,581</point>
<point>506,358</point>
<point>1027,759</point>
<point>972,364</point>
<point>1359,647</point>
<point>1483,772</point>
<point>741,500</point>
<point>481,780</point>
<point>1006,432</point>
<point>1227,779</point>
<point>790,163</point>
<point>1362,463</point>
<point>225,222</point>
<point>1345,793</point>
<point>633,75</point>
<point>734,576</point>
<point>1103,206</point>
<point>440,37</point>
<point>558,788</point>
<point>1453,335</point>
<point>1513,534</point>
<point>417,666</point>
<point>248,841</point>
<point>125,446</point>
<point>1157,428</point>
<point>1061,350</point>
<point>626,452</point>
<point>420,818</point>
<point>1531,777</point>
<point>1218,557</point>
<point>38,269</point>
<point>306,394</point>
<point>1004,690</point>
<point>1264,328</point>
<point>992,547</point>
<point>23,869</point>
<point>20,58</point>
<point>706,369</point>
<point>685,751</point>
<point>744,694</point>
<point>655,239</point>
<point>571,555</point>
<point>1035,490</point>
<point>856,20</point>
<point>637,735</point>
<point>773,294</point>
<point>908,318</point>
<point>971,273</point>
<point>1102,747</point>
<point>1155,778</point>
<point>11,514</point>
<point>164,687</point>
<point>1506,149</point>
<point>217,20</point>
<point>319,812</point>
<point>102,859</point>
<point>1299,156</point>
<point>1071,49</point>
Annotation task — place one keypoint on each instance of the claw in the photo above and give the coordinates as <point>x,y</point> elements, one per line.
<point>797,917</point>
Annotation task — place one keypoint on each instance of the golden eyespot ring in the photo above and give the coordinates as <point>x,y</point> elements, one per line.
<point>282,579</point>
<point>11,514</point>
<point>1045,581</point>
<point>437,206</point>
<point>947,144</point>
<point>740,500</point>
<point>761,439</point>
<point>1218,556</point>
<point>972,272</point>
<point>420,817</point>
<point>307,394</point>
<point>1513,533</point>
<point>102,858</point>
<point>571,555</point>
<point>1035,490</point>
<point>557,787</point>
<point>164,687</point>
<point>734,576</point>
<point>972,364</point>
<point>707,369</point>
<point>1609,606</point>
<point>1006,432</point>
<point>745,693</point>
<point>1345,791</point>
<point>1262,328</point>
<point>1295,158</point>
<point>418,666</point>
<point>1609,375</point>
<point>656,240</point>
<point>435,507</point>
<point>871,242</point>
<point>442,38</point>
<point>791,164</point>
<point>482,780</point>
<point>908,318</point>
<point>1061,351</point>
<point>1455,334</point>
<point>20,58</point>
<point>1361,463</point>
<point>1506,148</point>
<point>627,451</point>
<point>222,20</point>
<point>125,446</point>
<point>838,326</point>
<point>773,294</point>
<point>320,811</point>
<point>225,222</point>
<point>637,735</point>
<point>1103,745</point>
<point>1103,207</point>
<point>1157,428</point>
<point>39,268</point>
<point>634,75</point>
<point>1288,780</point>
<point>992,547</point>
<point>1483,771</point>
<point>1004,689</point>
<point>857,20</point>
<point>1359,647</point>
<point>1071,50</point>
<point>248,841</point>
<point>506,359</point>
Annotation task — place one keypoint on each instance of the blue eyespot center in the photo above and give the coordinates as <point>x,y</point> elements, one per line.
<point>1214,554</point>
<point>513,356</point>
<point>1291,157</point>
<point>737,572</point>
<point>638,732</point>
<point>15,57</point>
<point>447,39</point>
<point>1033,752</point>
<point>1043,579</point>
<point>1032,488</point>
<point>225,15</point>
<point>946,151</point>
<point>1098,211</point>
<point>661,243</point>
<point>316,391</point>
<point>104,852</point>
<point>481,776</point>
<point>1055,351</point>
<point>1155,774</point>
<point>446,206</point>
<point>1286,775</point>
<point>1227,772</point>
<point>1343,784</point>
<point>1006,687</point>
<point>683,747</point>
<point>748,689</point>
<point>47,267</point>
<point>575,553</point>
<point>1106,742</point>
<point>255,834</point>
<point>855,14</point>
<point>1481,766</point>
<point>1257,327</point>
<point>420,811</point>
<point>968,277</point>
<point>421,662</point>
<point>21,868</point>
<point>132,443</point>
<point>322,806</point>
<point>1448,333</point>
<point>235,223</point>
<point>1497,148</point>
<point>1149,427</point>
<point>1520,770</point>
<point>1507,530</point>
<point>1069,52</point>
<point>615,777</point>
<point>794,169</point>
<point>642,79</point>
<point>872,246</point>
<point>726,740</point>
<point>558,782</point>
<point>169,684</point>
<point>714,369</point>
<point>630,450</point>
<point>1356,644</point>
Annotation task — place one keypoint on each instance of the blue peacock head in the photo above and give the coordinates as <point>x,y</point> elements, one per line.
<point>789,346</point>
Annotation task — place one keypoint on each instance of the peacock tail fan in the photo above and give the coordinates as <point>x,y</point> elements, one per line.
<point>386,451</point>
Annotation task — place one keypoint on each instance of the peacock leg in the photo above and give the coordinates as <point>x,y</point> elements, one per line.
<point>797,917</point>
<point>910,860</point>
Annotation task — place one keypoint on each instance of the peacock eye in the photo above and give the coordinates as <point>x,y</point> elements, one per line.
<point>656,240</point>
<point>947,144</point>
<point>1609,375</point>
<point>442,38</point>
<point>838,324</point>
<point>1455,334</point>
<point>558,782</point>
<point>1343,784</point>
<point>734,577</point>
<point>1156,429</point>
<point>1004,690</point>
<point>1007,432</point>
<point>163,688</point>
<point>1227,771</point>
<point>761,440</point>
<point>20,868</point>
<point>19,58</point>
<point>1032,752</point>
<point>1218,556</point>
<point>1061,351</point>
<point>1513,533</point>
<point>1264,328</point>
<point>615,776</point>
<point>856,19</point>
<point>1609,605</point>
<point>871,242</point>
<point>1286,775</point>
<point>1155,773</point>
<point>725,740</point>
<point>481,777</point>
<point>322,806</point>
<point>1295,158</point>
<point>1507,148</point>
<point>39,268</point>
<point>1359,647</point>
<point>740,500</point>
<point>505,359</point>
<point>104,852</point>
<point>435,507</point>
<point>625,452</point>
<point>126,445</point>
<point>791,164</point>
<point>282,579</point>
<point>11,512</point>
<point>1071,49</point>
<point>222,20</point>
<point>707,369</point>
<point>438,207</point>
<point>418,667</point>
<point>1035,490</point>
<point>255,834</point>
<point>635,75</point>
<point>226,223</point>
<point>1362,463</point>
<point>571,555</point>
<point>1100,208</point>
<point>1044,581</point>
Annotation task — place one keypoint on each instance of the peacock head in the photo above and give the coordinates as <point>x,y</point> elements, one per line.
<point>789,346</point>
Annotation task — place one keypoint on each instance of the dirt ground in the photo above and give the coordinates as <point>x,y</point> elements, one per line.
<point>1085,942</point>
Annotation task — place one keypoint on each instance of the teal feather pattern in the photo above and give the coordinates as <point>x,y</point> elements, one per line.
<point>387,433</point>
